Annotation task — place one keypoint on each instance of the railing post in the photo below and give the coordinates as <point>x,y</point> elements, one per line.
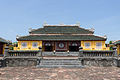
<point>68,51</point>
<point>40,52</point>
<point>6,51</point>
<point>115,52</point>
<point>54,51</point>
<point>80,52</point>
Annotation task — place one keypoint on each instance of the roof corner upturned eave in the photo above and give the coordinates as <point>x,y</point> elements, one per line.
<point>3,40</point>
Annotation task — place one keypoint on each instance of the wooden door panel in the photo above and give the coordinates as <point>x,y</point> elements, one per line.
<point>1,48</point>
<point>61,46</point>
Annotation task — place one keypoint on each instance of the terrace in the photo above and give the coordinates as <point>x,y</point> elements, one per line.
<point>81,58</point>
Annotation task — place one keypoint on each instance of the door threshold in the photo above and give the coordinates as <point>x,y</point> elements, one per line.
<point>60,57</point>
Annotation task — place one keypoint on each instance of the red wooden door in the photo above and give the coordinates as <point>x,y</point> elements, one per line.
<point>1,48</point>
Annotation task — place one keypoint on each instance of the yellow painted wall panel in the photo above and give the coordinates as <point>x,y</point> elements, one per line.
<point>118,49</point>
<point>29,45</point>
<point>4,48</point>
<point>93,45</point>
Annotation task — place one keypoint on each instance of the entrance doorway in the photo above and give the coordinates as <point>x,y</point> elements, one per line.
<point>48,46</point>
<point>61,46</point>
<point>1,48</point>
<point>73,48</point>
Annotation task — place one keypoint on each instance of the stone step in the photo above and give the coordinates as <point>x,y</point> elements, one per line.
<point>60,57</point>
<point>60,63</point>
<point>2,63</point>
<point>60,60</point>
<point>58,66</point>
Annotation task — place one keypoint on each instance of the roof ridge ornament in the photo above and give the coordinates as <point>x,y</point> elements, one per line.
<point>30,29</point>
<point>91,29</point>
<point>45,23</point>
<point>78,24</point>
<point>61,24</point>
<point>17,36</point>
<point>105,36</point>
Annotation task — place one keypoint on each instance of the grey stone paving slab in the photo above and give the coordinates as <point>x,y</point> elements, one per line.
<point>33,73</point>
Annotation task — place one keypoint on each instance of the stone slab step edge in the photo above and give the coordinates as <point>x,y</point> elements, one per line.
<point>58,66</point>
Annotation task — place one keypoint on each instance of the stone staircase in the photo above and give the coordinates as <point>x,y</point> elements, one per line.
<point>55,63</point>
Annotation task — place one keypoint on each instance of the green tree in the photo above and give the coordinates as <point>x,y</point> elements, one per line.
<point>111,45</point>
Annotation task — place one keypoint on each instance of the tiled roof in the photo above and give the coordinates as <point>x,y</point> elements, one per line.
<point>61,37</point>
<point>3,40</point>
<point>61,29</point>
<point>116,42</point>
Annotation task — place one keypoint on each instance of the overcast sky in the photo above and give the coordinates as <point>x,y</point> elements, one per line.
<point>17,16</point>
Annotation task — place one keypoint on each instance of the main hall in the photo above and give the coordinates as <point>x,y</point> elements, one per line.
<point>61,38</point>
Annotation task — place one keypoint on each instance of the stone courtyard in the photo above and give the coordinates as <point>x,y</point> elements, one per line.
<point>33,73</point>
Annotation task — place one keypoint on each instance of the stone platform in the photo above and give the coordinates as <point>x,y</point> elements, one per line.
<point>2,62</point>
<point>59,57</point>
<point>55,63</point>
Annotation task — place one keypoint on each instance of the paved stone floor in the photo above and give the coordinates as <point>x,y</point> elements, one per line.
<point>33,73</point>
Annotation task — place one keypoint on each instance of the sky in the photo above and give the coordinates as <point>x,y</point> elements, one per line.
<point>17,16</point>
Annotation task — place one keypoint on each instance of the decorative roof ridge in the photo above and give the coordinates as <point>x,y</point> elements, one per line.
<point>61,25</point>
<point>30,29</point>
<point>61,34</point>
<point>91,29</point>
<point>105,37</point>
<point>60,37</point>
<point>3,40</point>
<point>116,41</point>
<point>17,36</point>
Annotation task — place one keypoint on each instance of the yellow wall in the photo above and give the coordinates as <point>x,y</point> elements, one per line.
<point>93,45</point>
<point>29,45</point>
<point>118,49</point>
<point>4,48</point>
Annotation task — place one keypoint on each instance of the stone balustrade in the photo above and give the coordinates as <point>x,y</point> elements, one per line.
<point>60,53</point>
<point>97,53</point>
<point>82,53</point>
<point>16,53</point>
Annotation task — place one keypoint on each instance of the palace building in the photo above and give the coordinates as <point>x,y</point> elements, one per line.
<point>61,38</point>
<point>117,44</point>
<point>3,43</point>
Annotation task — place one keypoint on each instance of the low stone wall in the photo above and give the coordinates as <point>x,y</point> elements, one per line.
<point>99,62</point>
<point>118,62</point>
<point>60,54</point>
<point>87,58</point>
<point>87,62</point>
<point>2,63</point>
<point>18,62</point>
